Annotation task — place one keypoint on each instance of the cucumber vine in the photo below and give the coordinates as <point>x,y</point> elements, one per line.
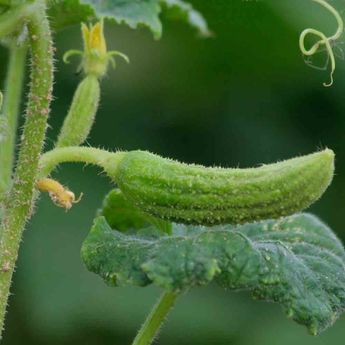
<point>323,39</point>
<point>235,226</point>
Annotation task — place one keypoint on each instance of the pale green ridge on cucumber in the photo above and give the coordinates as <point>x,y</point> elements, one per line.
<point>194,194</point>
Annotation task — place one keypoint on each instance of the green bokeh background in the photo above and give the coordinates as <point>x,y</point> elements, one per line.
<point>241,98</point>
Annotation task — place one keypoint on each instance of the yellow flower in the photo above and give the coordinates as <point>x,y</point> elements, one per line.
<point>95,57</point>
<point>94,41</point>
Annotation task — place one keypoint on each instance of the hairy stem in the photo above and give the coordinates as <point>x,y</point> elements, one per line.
<point>18,205</point>
<point>15,18</point>
<point>89,155</point>
<point>13,92</point>
<point>155,319</point>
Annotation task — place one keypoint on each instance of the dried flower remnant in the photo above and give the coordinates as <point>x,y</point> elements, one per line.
<point>59,194</point>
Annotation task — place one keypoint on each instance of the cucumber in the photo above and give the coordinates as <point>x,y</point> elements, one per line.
<point>81,115</point>
<point>194,194</point>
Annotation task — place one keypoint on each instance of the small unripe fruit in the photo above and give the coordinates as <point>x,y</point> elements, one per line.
<point>195,194</point>
<point>81,115</point>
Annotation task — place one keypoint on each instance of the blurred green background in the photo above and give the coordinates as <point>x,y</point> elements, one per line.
<point>241,98</point>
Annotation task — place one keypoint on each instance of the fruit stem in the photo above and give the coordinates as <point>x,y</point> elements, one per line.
<point>89,155</point>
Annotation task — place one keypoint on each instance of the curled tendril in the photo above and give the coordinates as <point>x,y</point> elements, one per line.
<point>323,39</point>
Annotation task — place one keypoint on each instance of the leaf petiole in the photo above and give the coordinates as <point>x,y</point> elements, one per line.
<point>154,320</point>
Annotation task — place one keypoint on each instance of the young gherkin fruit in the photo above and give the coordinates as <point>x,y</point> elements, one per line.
<point>81,115</point>
<point>195,194</point>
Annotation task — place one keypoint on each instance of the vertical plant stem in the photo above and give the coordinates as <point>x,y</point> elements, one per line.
<point>18,206</point>
<point>13,93</point>
<point>155,319</point>
<point>15,18</point>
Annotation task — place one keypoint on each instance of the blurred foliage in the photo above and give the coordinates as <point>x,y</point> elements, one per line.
<point>133,13</point>
<point>241,98</point>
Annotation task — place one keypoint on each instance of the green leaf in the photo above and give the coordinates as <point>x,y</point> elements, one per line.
<point>181,10</point>
<point>63,13</point>
<point>123,216</point>
<point>296,261</point>
<point>134,13</point>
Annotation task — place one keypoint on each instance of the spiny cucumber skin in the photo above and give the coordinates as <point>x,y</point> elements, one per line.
<point>81,115</point>
<point>194,194</point>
